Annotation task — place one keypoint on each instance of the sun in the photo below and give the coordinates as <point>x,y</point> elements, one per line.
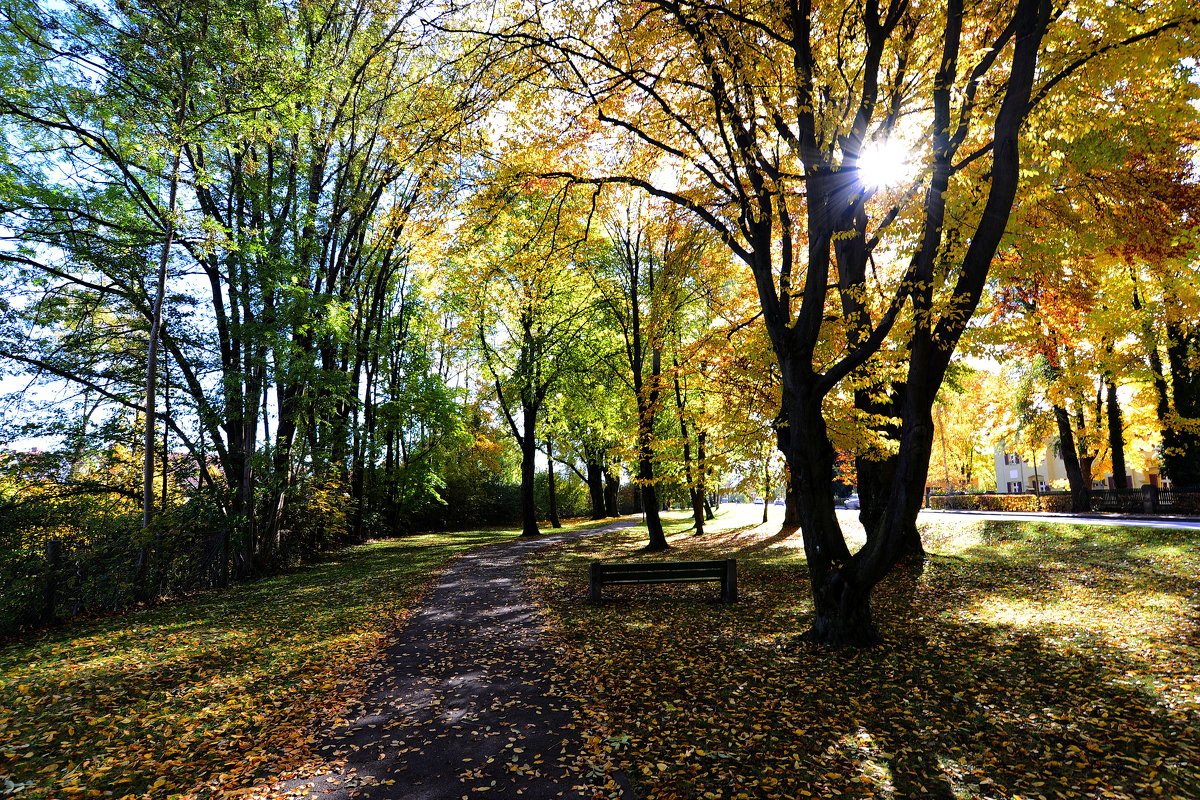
<point>885,163</point>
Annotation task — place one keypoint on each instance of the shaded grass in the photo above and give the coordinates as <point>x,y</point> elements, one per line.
<point>1025,661</point>
<point>202,696</point>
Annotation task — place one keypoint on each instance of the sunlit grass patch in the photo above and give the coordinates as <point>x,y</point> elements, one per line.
<point>199,697</point>
<point>1023,661</point>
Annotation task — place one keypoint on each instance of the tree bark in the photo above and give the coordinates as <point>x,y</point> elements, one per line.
<point>1116,436</point>
<point>694,485</point>
<point>766,488</point>
<point>875,476</point>
<point>657,540</point>
<point>841,603</point>
<point>612,486</point>
<point>554,521</point>
<point>791,509</point>
<point>1081,491</point>
<point>702,463</point>
<point>595,482</point>
<point>1181,433</point>
<point>529,526</point>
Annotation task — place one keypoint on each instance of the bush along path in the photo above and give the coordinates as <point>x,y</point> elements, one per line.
<point>463,703</point>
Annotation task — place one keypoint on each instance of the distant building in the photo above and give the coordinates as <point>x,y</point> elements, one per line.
<point>1016,474</point>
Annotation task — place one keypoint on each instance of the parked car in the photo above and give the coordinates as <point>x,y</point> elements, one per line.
<point>778,502</point>
<point>852,501</point>
<point>758,501</point>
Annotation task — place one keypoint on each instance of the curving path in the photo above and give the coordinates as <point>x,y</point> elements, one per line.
<point>463,705</point>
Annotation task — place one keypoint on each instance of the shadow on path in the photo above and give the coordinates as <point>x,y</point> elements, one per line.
<point>462,704</point>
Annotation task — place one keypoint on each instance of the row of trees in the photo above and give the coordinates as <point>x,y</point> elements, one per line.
<point>349,262</point>
<point>210,212</point>
<point>761,113</point>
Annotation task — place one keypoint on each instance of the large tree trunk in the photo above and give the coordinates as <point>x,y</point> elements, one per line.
<point>841,605</point>
<point>612,486</point>
<point>791,508</point>
<point>595,482</point>
<point>1181,435</point>
<point>1081,490</point>
<point>875,477</point>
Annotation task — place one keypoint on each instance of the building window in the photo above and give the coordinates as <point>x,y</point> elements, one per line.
<point>1014,487</point>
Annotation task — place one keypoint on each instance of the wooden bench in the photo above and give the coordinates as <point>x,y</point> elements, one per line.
<point>724,571</point>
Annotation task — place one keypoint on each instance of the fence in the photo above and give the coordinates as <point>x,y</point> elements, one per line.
<point>1146,500</point>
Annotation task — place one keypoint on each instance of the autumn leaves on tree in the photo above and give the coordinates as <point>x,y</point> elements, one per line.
<point>754,119</point>
<point>399,250</point>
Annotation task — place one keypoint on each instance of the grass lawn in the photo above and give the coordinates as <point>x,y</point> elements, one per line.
<point>200,697</point>
<point>1026,661</point>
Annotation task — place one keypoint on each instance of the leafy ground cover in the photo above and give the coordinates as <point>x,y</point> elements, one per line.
<point>201,697</point>
<point>1025,661</point>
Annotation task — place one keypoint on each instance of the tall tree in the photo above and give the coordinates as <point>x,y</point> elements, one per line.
<point>528,304</point>
<point>765,113</point>
<point>309,140</point>
<point>644,290</point>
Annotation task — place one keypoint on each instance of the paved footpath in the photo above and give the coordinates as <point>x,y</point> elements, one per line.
<point>463,705</point>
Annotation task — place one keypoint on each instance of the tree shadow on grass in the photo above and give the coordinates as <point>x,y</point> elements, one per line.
<point>1032,664</point>
<point>192,676</point>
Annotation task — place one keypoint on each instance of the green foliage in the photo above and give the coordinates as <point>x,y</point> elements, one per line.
<point>570,493</point>
<point>316,518</point>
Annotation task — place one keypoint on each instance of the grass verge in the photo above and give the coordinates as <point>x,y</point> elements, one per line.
<point>1024,661</point>
<point>202,697</point>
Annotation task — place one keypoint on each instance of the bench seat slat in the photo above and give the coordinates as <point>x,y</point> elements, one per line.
<point>637,577</point>
<point>665,579</point>
<point>668,565</point>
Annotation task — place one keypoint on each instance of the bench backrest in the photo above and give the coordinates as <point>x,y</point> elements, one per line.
<point>698,570</point>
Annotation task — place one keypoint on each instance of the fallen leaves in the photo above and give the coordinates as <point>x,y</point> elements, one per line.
<point>1085,686</point>
<point>201,698</point>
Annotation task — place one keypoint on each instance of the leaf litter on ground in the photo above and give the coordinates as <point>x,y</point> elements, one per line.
<point>1024,661</point>
<point>206,696</point>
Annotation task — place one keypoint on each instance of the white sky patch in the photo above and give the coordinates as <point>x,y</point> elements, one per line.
<point>885,163</point>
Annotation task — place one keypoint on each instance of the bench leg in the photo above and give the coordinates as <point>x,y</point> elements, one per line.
<point>594,585</point>
<point>729,593</point>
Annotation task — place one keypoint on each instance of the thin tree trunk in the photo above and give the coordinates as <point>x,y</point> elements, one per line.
<point>702,461</point>
<point>657,539</point>
<point>554,521</point>
<point>529,526</point>
<point>152,348</point>
<point>766,487</point>
<point>1081,491</point>
<point>1116,436</point>
<point>695,494</point>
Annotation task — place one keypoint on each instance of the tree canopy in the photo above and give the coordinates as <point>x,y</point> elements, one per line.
<point>333,271</point>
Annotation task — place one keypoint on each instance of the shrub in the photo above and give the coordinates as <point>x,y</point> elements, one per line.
<point>1002,502</point>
